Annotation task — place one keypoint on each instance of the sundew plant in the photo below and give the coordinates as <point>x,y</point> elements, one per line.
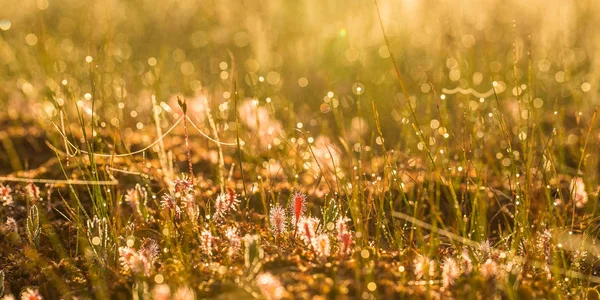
<point>253,149</point>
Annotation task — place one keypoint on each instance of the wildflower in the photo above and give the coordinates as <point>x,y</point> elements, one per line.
<point>322,245</point>
<point>277,219</point>
<point>270,286</point>
<point>344,236</point>
<point>32,191</point>
<point>450,271</point>
<point>11,224</point>
<point>489,269</point>
<point>161,292</point>
<point>578,193</point>
<point>307,227</point>
<point>225,203</point>
<point>207,238</point>
<point>234,240</point>
<point>298,206</point>
<point>6,195</point>
<point>31,294</point>
<point>8,297</point>
<point>424,267</point>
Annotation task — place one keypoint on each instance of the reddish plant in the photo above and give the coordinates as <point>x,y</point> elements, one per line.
<point>277,219</point>
<point>298,206</point>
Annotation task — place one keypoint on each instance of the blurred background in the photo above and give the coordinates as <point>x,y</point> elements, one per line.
<point>307,61</point>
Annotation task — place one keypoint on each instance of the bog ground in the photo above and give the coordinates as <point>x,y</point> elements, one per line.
<point>299,149</point>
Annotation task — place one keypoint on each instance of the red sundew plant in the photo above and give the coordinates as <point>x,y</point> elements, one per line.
<point>167,202</point>
<point>183,185</point>
<point>277,219</point>
<point>344,236</point>
<point>6,195</point>
<point>297,207</point>
<point>32,191</point>
<point>225,204</point>
<point>308,227</point>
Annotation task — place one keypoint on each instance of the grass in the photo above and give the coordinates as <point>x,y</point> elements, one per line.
<point>164,150</point>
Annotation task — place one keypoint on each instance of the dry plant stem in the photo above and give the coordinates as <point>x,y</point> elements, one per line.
<point>162,155</point>
<point>187,143</point>
<point>237,136</point>
<point>581,161</point>
<point>211,121</point>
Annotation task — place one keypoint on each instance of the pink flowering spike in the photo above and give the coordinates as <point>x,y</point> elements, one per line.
<point>232,200</point>
<point>277,219</point>
<point>298,206</point>
<point>220,207</point>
